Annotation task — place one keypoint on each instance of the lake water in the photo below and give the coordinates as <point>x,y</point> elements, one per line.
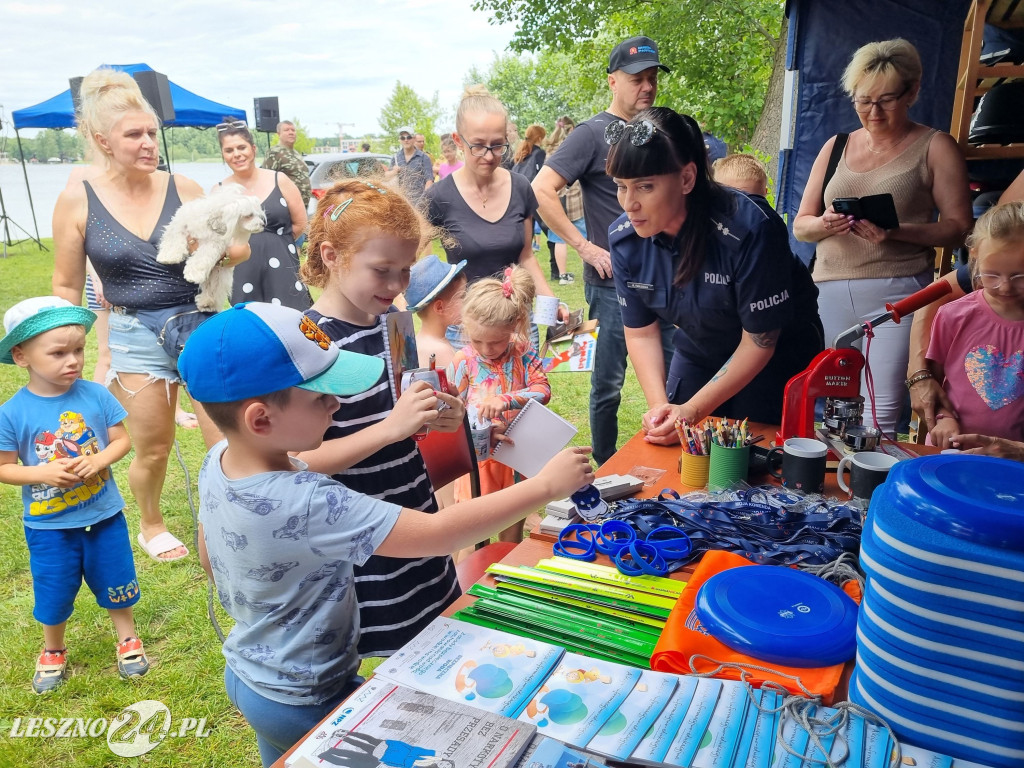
<point>48,181</point>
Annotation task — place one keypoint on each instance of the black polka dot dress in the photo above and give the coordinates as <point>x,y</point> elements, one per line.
<point>272,272</point>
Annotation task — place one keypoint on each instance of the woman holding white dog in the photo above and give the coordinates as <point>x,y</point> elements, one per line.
<point>118,218</point>
<point>272,274</point>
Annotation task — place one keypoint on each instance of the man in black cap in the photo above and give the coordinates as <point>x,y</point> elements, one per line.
<point>633,80</point>
<point>412,166</point>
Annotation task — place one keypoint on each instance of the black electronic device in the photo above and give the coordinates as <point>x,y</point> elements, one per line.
<point>267,114</point>
<point>156,89</point>
<point>880,210</point>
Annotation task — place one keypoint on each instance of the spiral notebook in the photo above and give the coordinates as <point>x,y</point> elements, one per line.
<point>538,433</point>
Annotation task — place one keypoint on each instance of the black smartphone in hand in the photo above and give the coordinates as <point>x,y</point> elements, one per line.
<point>848,206</point>
<point>880,210</point>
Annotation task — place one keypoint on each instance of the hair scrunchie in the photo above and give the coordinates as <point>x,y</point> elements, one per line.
<point>506,284</point>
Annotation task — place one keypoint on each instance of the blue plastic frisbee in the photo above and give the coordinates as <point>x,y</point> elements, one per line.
<point>779,615</point>
<point>973,498</point>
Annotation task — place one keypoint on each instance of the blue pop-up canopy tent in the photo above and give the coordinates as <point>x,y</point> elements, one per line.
<point>190,110</point>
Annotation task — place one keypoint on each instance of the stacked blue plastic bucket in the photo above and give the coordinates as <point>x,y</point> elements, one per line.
<point>940,634</point>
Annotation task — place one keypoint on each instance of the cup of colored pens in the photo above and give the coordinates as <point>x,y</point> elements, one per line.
<point>695,459</point>
<point>730,453</point>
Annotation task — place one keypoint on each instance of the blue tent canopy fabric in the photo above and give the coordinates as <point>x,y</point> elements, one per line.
<point>190,109</point>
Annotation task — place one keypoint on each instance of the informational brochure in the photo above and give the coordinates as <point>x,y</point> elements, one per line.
<point>579,697</point>
<point>626,727</point>
<point>488,669</point>
<point>389,725</point>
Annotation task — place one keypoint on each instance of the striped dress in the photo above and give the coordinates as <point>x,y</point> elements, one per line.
<point>397,597</point>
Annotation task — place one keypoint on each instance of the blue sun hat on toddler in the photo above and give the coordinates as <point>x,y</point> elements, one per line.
<point>31,317</point>
<point>254,349</point>
<point>429,276</point>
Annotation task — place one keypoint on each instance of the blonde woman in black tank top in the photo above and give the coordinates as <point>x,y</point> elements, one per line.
<point>122,126</point>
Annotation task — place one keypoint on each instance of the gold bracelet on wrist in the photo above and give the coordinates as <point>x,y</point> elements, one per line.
<point>918,377</point>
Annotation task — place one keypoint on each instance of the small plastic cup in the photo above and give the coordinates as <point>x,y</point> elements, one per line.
<point>728,466</point>
<point>693,471</point>
<point>481,440</point>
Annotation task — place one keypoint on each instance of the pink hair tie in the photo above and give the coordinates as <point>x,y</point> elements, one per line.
<point>506,285</point>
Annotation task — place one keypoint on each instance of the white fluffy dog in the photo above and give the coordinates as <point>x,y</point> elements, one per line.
<point>226,216</point>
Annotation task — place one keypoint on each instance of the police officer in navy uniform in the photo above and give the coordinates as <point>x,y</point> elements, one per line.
<point>714,262</point>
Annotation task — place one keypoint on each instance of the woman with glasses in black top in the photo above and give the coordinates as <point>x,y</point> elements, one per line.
<point>715,263</point>
<point>486,211</point>
<point>272,274</point>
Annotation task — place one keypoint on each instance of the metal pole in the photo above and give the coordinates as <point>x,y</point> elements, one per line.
<point>31,205</point>
<point>166,153</point>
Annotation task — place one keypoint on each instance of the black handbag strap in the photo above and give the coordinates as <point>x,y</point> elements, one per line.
<point>833,163</point>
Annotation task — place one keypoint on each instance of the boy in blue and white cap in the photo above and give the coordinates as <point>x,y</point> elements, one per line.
<point>66,433</point>
<point>279,541</point>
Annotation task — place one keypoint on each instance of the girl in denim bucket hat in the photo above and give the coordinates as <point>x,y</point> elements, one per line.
<point>435,293</point>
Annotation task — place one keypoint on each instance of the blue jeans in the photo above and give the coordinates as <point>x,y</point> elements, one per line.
<point>279,726</point>
<point>609,372</point>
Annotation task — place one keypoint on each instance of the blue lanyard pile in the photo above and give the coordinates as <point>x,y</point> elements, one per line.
<point>766,524</point>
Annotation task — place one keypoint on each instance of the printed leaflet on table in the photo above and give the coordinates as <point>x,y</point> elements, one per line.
<point>398,727</point>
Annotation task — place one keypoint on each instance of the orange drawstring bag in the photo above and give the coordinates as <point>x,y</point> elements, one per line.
<point>685,647</point>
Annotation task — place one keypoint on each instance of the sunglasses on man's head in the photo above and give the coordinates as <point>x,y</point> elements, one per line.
<point>403,137</point>
<point>230,126</point>
<point>641,132</point>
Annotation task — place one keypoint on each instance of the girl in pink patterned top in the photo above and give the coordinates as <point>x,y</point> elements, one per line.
<point>499,370</point>
<point>977,342</point>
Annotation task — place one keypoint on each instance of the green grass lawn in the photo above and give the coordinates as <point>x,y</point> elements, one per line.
<point>171,616</point>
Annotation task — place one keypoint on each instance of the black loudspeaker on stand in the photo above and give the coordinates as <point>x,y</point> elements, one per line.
<point>157,90</point>
<point>267,114</point>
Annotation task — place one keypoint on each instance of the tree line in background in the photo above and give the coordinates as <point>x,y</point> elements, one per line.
<point>183,144</point>
<point>727,59</point>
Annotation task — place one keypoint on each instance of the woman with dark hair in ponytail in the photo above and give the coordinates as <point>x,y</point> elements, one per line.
<point>715,263</point>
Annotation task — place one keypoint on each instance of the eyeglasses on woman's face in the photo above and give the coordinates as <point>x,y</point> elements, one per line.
<point>993,282</point>
<point>232,125</point>
<point>482,150</point>
<point>640,132</point>
<point>886,103</point>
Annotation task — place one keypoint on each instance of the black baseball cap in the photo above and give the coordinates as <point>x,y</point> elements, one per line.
<point>635,55</point>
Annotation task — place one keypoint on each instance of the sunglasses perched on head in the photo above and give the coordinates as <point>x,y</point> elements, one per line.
<point>641,132</point>
<point>231,125</point>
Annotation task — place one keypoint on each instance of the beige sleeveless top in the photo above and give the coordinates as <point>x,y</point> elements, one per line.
<point>907,178</point>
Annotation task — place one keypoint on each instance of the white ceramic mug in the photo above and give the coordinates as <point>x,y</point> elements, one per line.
<point>868,470</point>
<point>545,310</point>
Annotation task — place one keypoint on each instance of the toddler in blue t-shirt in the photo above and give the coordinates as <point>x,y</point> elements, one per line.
<point>59,435</point>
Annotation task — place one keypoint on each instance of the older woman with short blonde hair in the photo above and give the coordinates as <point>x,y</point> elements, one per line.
<point>859,265</point>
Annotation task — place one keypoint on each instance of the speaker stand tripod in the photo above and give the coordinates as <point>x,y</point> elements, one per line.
<point>6,222</point>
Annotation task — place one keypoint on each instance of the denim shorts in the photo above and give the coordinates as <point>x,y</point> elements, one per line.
<point>135,349</point>
<point>60,558</point>
<point>581,227</point>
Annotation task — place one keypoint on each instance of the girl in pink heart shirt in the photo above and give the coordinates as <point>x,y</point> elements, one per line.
<point>977,342</point>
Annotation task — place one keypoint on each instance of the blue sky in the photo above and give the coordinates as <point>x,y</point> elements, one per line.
<point>328,63</point>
